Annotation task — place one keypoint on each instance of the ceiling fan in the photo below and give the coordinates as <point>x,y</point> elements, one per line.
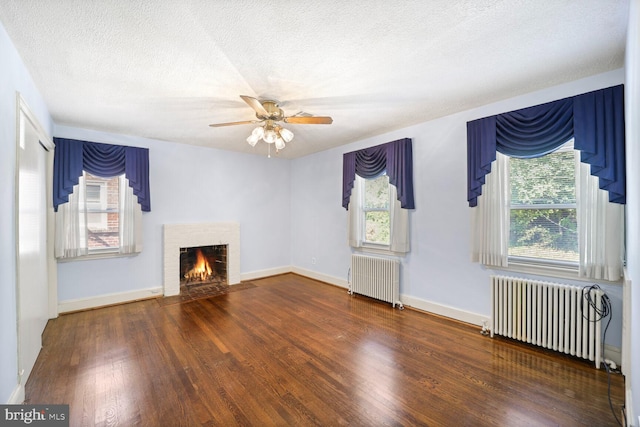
<point>270,114</point>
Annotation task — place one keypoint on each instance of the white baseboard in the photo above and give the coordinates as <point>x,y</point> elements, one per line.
<point>445,310</point>
<point>265,273</point>
<point>17,397</point>
<point>613,353</point>
<point>431,307</point>
<point>107,299</point>
<point>332,280</point>
<point>628,405</point>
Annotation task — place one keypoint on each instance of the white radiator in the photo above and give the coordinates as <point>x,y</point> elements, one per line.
<point>375,277</point>
<point>549,315</point>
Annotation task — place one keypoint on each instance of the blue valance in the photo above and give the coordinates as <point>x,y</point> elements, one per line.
<point>71,157</point>
<point>595,120</point>
<point>396,158</point>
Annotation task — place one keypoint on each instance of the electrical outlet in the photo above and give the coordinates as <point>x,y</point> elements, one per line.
<point>313,260</point>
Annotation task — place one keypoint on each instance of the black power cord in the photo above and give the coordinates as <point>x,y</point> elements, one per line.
<point>600,313</point>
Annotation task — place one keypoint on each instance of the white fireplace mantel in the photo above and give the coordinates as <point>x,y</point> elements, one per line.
<point>178,236</point>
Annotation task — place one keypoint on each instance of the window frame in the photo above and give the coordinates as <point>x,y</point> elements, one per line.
<point>101,204</point>
<point>104,209</point>
<point>548,263</point>
<point>366,246</point>
<point>546,266</point>
<point>364,210</point>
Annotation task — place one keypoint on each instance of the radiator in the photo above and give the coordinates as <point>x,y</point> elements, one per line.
<point>548,315</point>
<point>376,277</point>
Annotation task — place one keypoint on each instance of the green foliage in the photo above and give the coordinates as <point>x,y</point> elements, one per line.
<point>377,221</point>
<point>547,232</point>
<point>377,227</point>
<point>377,193</point>
<point>543,180</point>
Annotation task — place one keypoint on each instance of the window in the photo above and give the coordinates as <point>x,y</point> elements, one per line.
<point>97,216</point>
<point>378,205</point>
<point>103,213</point>
<point>375,210</point>
<point>101,219</point>
<point>543,219</point>
<point>376,221</point>
<point>547,230</point>
<point>558,221</point>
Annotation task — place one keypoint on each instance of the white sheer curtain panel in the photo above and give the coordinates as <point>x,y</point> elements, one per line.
<point>71,225</point>
<point>600,228</point>
<point>354,216</point>
<point>490,218</point>
<point>399,224</point>
<point>130,219</point>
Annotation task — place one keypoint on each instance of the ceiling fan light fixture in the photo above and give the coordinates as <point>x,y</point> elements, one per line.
<point>258,132</point>
<point>269,136</point>
<point>253,140</point>
<point>286,134</point>
<point>269,115</point>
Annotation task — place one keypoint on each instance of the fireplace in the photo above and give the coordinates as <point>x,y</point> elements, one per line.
<point>176,237</point>
<point>203,264</point>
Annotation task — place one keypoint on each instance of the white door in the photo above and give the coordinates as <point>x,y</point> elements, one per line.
<point>32,275</point>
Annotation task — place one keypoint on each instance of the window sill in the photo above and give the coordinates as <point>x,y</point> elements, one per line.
<point>97,255</point>
<point>556,270</point>
<point>378,250</point>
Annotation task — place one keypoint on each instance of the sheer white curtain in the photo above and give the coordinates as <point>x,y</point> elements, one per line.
<point>399,224</point>
<point>354,216</point>
<point>71,225</point>
<point>130,219</point>
<point>399,220</point>
<point>600,228</point>
<point>490,218</point>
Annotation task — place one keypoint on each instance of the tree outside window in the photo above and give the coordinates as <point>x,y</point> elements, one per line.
<point>543,221</point>
<point>377,218</point>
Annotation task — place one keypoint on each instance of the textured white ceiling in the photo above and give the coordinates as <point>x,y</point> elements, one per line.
<point>166,69</point>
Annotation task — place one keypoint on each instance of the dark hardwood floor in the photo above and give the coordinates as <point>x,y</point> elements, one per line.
<point>293,351</point>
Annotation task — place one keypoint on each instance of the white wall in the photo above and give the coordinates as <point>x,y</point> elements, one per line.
<point>13,77</point>
<point>438,271</point>
<point>632,98</point>
<point>191,184</point>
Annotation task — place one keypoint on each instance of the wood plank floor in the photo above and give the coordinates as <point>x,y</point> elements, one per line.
<point>293,351</point>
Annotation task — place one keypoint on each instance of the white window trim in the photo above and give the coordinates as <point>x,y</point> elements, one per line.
<point>543,265</point>
<point>100,207</point>
<point>355,219</point>
<point>363,212</point>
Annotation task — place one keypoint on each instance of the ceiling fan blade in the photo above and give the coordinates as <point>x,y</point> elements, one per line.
<point>245,122</point>
<point>313,120</point>
<point>256,105</point>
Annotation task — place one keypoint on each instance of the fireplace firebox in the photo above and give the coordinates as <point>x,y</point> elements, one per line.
<point>203,264</point>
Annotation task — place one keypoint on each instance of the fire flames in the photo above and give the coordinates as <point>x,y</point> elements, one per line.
<point>201,270</point>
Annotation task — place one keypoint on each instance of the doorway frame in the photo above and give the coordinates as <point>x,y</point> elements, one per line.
<point>25,115</point>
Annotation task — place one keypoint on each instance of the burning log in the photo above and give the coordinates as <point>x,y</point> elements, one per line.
<point>201,270</point>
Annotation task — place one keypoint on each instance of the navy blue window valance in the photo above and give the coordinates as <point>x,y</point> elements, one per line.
<point>396,158</point>
<point>595,120</point>
<point>71,157</point>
